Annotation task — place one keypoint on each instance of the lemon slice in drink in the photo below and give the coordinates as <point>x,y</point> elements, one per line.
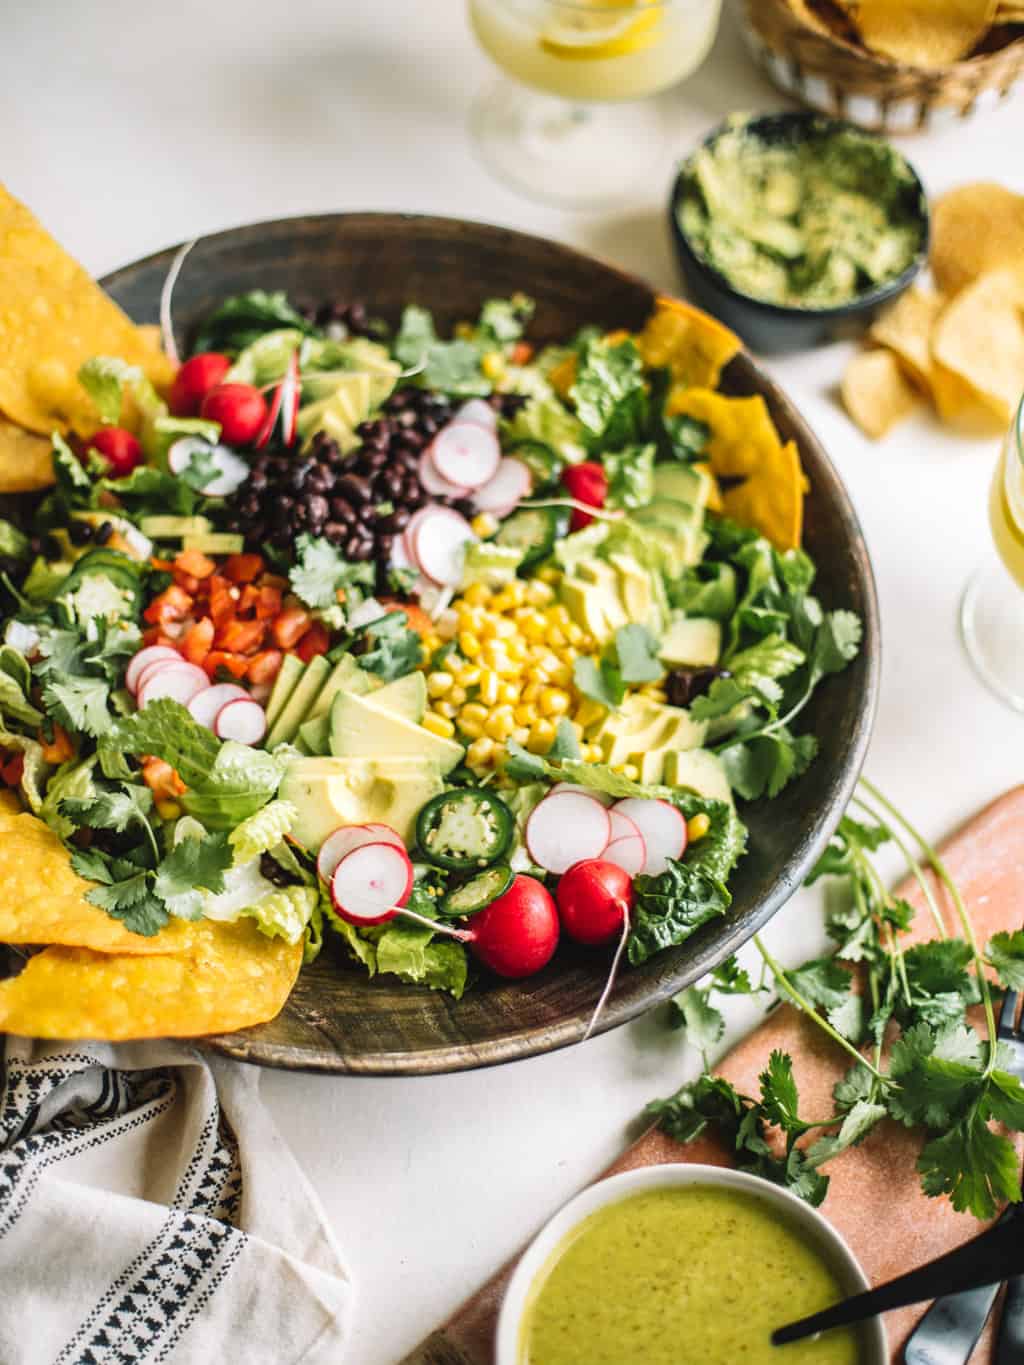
<point>596,29</point>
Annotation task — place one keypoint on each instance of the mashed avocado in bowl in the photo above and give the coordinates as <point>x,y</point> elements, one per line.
<point>797,214</point>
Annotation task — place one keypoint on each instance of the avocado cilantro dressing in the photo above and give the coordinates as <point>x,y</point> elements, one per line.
<point>811,221</point>
<point>696,1273</point>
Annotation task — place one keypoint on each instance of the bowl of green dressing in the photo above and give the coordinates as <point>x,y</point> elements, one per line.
<point>682,1265</point>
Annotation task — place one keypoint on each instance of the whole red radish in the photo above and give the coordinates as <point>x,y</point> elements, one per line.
<point>586,482</point>
<point>119,448</point>
<point>194,381</point>
<point>517,934</point>
<point>240,409</point>
<point>594,898</point>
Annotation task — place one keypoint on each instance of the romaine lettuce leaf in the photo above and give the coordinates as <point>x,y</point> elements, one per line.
<point>263,831</point>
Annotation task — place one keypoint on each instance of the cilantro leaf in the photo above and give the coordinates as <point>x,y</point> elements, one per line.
<point>823,982</point>
<point>637,651</point>
<point>167,730</point>
<point>191,864</point>
<point>452,367</point>
<point>130,899</point>
<point>114,810</point>
<point>502,321</point>
<point>729,978</point>
<point>976,1167</point>
<point>319,571</point>
<point>79,704</point>
<point>600,680</point>
<point>779,1095</point>
<point>764,764</point>
<point>693,1011</point>
<point>861,1118</point>
<point>937,1075</point>
<point>396,649</point>
<point>707,589</point>
<point>1005,953</point>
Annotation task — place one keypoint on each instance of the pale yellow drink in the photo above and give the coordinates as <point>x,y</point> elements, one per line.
<point>596,49</point>
<point>1006,500</point>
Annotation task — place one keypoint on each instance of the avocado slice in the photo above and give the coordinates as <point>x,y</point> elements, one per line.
<point>328,792</point>
<point>314,736</point>
<point>586,607</point>
<point>174,528</point>
<point>698,770</point>
<point>691,642</point>
<point>405,697</point>
<point>347,674</point>
<point>683,483</point>
<point>291,670</point>
<point>636,590</point>
<point>681,543</point>
<point>216,543</point>
<point>296,708</point>
<point>360,729</point>
<point>340,412</point>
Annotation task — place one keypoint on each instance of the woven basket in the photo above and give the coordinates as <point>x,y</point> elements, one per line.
<point>841,78</point>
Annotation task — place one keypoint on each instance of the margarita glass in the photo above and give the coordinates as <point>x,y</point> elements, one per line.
<point>992,613</point>
<point>585,139</point>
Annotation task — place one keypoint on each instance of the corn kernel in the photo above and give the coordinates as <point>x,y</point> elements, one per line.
<point>473,711</point>
<point>696,827</point>
<point>573,633</point>
<point>509,692</point>
<point>439,683</point>
<point>549,574</point>
<point>431,644</point>
<point>539,593</point>
<point>480,752</point>
<point>554,702</point>
<point>517,650</point>
<point>541,737</point>
<point>477,595</point>
<point>502,601</point>
<point>531,691</point>
<point>559,614</point>
<point>468,675</point>
<point>533,627</point>
<point>484,525</point>
<point>469,645</point>
<point>592,753</point>
<point>524,714</point>
<point>464,331</point>
<point>589,712</point>
<point>168,810</point>
<point>489,684</point>
<point>555,637</point>
<point>445,708</point>
<point>631,771</point>
<point>505,629</point>
<point>493,364</point>
<point>501,723</point>
<point>470,729</point>
<point>507,668</point>
<point>457,696</point>
<point>438,725</point>
<point>562,675</point>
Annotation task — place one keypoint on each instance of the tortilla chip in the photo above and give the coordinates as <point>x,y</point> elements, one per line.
<point>876,393</point>
<point>906,328</point>
<point>43,901</point>
<point>976,228</point>
<point>742,433</point>
<point>979,337</point>
<point>53,316</point>
<point>230,976</point>
<point>25,463</point>
<point>924,33</point>
<point>689,341</point>
<point>772,499</point>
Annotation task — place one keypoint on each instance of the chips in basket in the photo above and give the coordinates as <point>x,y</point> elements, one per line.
<point>928,33</point>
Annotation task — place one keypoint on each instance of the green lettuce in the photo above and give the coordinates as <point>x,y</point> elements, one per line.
<point>284,913</point>
<point>262,831</point>
<point>72,781</point>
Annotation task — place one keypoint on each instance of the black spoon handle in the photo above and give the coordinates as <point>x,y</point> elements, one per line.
<point>1010,1341</point>
<point>995,1255</point>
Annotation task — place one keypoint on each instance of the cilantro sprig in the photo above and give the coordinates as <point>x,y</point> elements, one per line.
<point>939,1075</point>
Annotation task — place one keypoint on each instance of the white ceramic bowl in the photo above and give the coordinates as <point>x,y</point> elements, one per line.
<point>819,1233</point>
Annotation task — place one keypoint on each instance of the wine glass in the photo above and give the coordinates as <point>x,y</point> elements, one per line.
<point>587,139</point>
<point>992,611</point>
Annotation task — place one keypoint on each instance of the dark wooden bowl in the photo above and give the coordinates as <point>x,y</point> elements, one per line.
<point>337,1019</point>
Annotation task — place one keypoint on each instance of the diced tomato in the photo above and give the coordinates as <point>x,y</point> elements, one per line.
<point>153,635</point>
<point>219,661</point>
<point>269,604</point>
<point>222,599</point>
<point>290,626</point>
<point>161,779</point>
<point>60,748</point>
<point>521,353</point>
<point>194,563</point>
<point>264,666</point>
<point>240,637</point>
<point>198,641</point>
<point>162,565</point>
<point>12,769</point>
<point>248,597</point>
<point>315,641</point>
<point>187,583</point>
<point>173,604</point>
<point>416,618</point>
<point>243,568</point>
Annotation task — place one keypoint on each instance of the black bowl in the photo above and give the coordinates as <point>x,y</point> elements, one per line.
<point>771,327</point>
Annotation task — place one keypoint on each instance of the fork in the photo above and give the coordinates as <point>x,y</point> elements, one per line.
<point>949,1331</point>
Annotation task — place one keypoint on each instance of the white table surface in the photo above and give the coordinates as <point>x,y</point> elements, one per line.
<point>129,126</point>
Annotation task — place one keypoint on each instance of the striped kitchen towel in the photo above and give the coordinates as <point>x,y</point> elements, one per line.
<point>151,1212</point>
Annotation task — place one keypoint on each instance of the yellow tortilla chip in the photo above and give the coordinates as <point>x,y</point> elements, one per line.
<point>688,341</point>
<point>976,228</point>
<point>876,393</point>
<point>906,329</point>
<point>772,499</point>
<point>742,433</point>
<point>979,337</point>
<point>230,976</point>
<point>54,316</point>
<point>926,33</point>
<point>43,901</point>
<point>25,463</point>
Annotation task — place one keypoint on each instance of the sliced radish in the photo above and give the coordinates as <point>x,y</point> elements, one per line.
<point>146,656</point>
<point>466,453</point>
<point>627,847</point>
<point>433,482</point>
<point>291,391</point>
<point>566,828</point>
<point>180,682</point>
<point>510,484</point>
<point>603,797</point>
<point>151,670</point>
<point>348,837</point>
<point>232,470</point>
<point>662,826</point>
<point>205,705</point>
<point>439,545</point>
<point>244,721</point>
<point>478,412</point>
<point>273,412</point>
<point>371,883</point>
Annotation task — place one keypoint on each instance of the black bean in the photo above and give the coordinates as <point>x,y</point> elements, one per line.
<point>257,481</point>
<point>354,547</point>
<point>342,511</point>
<point>375,460</point>
<point>103,533</point>
<point>393,482</point>
<point>80,533</point>
<point>335,532</point>
<point>396,520</point>
<point>318,508</point>
<point>384,545</point>
<point>353,487</point>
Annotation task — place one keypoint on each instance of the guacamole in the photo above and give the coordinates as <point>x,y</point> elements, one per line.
<point>808,220</point>
<point>694,1273</point>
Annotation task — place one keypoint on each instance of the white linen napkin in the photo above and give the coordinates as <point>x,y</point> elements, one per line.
<point>151,1212</point>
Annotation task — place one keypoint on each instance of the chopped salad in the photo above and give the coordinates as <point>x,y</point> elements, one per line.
<point>445,647</point>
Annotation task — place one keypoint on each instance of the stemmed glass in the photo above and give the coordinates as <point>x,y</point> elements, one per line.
<point>587,139</point>
<point>992,611</point>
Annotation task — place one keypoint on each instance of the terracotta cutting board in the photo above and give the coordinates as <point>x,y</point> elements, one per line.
<point>874,1198</point>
